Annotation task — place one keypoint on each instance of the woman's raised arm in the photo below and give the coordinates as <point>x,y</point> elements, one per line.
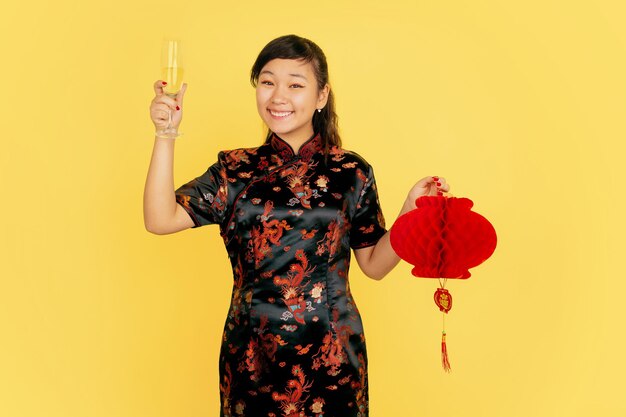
<point>162,215</point>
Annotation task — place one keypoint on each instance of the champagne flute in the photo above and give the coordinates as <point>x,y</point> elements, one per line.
<point>171,72</point>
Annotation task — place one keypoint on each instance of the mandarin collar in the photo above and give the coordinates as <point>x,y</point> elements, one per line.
<point>306,151</point>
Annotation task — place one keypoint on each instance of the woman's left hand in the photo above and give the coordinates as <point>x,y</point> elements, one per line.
<point>426,186</point>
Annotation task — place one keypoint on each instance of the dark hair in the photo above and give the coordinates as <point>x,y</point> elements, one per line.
<point>296,47</point>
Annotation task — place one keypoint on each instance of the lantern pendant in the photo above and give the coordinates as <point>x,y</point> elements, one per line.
<point>443,299</point>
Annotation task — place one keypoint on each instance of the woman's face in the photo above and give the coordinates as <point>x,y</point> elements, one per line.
<point>287,96</point>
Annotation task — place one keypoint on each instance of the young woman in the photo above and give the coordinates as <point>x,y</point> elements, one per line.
<point>289,212</point>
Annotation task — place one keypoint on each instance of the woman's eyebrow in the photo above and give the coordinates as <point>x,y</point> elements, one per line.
<point>293,75</point>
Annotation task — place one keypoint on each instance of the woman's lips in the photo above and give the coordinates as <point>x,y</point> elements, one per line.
<point>279,115</point>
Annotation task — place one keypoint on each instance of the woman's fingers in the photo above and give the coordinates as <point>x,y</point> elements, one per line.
<point>431,185</point>
<point>165,111</point>
<point>161,97</point>
<point>158,87</point>
<point>167,100</point>
<point>181,94</point>
<point>441,184</point>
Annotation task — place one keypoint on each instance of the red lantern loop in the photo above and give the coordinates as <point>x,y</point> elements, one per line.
<point>442,238</point>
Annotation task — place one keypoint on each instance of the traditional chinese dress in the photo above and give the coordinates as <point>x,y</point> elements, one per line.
<point>293,341</point>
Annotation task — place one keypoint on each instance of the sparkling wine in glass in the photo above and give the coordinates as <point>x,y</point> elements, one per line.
<point>171,72</point>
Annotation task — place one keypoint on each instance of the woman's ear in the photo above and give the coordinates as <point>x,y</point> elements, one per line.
<point>323,96</point>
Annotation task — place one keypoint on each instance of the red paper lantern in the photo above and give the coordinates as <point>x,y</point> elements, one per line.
<point>442,238</point>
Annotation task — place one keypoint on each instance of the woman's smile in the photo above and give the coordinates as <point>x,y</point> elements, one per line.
<point>280,115</point>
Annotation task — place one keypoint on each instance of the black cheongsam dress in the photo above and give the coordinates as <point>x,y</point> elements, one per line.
<point>293,343</point>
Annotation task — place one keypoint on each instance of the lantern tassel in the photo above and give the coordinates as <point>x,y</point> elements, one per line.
<point>444,353</point>
<point>445,362</point>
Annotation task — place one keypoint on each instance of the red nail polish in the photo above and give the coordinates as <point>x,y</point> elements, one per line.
<point>439,193</point>
<point>438,184</point>
<point>177,108</point>
<point>436,178</point>
<point>164,83</point>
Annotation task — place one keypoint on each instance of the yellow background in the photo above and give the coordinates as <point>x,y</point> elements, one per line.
<point>520,105</point>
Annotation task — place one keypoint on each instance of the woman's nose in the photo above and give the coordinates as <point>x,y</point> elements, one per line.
<point>278,96</point>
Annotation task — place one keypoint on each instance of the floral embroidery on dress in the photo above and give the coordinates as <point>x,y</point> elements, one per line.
<point>293,342</point>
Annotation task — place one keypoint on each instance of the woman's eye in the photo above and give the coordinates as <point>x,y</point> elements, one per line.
<point>296,85</point>
<point>266,82</point>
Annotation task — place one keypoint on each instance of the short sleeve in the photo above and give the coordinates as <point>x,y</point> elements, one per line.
<point>368,223</point>
<point>204,197</point>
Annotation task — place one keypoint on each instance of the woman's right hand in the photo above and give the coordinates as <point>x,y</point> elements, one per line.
<point>162,103</point>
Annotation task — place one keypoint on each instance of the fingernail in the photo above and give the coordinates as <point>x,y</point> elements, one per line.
<point>177,108</point>
<point>438,184</point>
<point>436,178</point>
<point>163,82</point>
<point>439,193</point>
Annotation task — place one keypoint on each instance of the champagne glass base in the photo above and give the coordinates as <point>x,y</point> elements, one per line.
<point>167,133</point>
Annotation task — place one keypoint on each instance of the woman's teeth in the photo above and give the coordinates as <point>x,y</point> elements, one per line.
<point>280,114</point>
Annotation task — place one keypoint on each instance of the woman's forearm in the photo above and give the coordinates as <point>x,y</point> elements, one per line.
<point>378,260</point>
<point>159,200</point>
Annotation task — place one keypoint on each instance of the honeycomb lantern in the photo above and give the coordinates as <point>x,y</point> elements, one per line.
<point>443,238</point>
